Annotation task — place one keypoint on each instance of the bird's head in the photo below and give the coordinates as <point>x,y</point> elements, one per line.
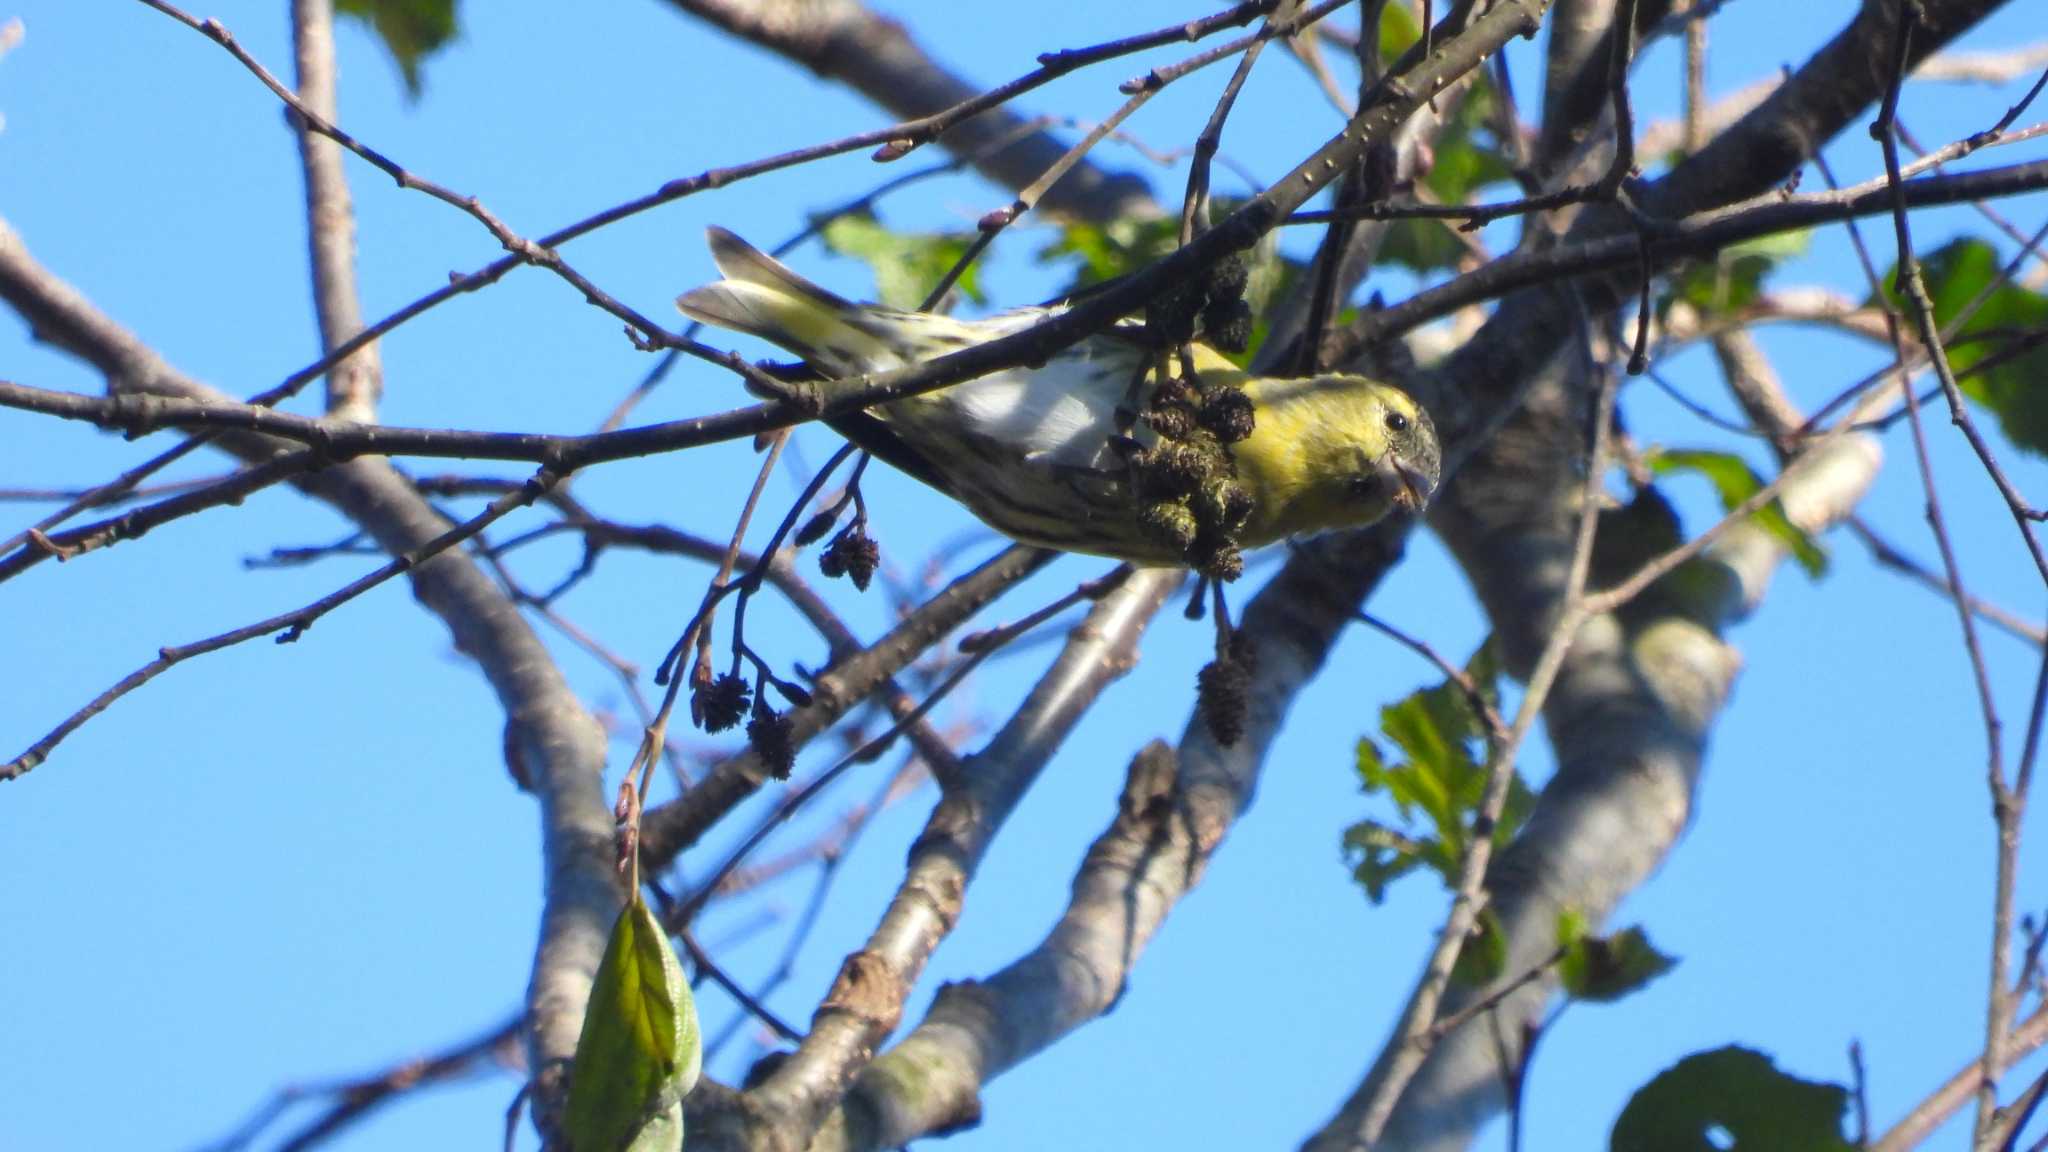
<point>1401,462</point>
<point>1335,452</point>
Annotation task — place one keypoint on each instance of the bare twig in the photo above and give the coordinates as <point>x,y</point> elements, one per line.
<point>356,1100</point>
<point>1414,1034</point>
<point>288,625</point>
<point>356,382</point>
<point>2006,806</point>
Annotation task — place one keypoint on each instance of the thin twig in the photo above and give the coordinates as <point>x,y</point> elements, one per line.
<point>2005,807</point>
<point>1414,1037</point>
<point>289,625</point>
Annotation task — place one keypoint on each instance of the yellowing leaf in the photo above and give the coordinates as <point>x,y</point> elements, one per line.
<point>639,1053</point>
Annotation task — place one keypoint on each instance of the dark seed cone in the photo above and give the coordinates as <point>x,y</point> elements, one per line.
<point>1172,390</point>
<point>1172,423</point>
<point>1171,523</point>
<point>1173,470</point>
<point>1170,317</point>
<point>1227,413</point>
<point>720,704</point>
<point>1221,508</point>
<point>1228,325</point>
<point>852,554</point>
<point>1223,695</point>
<point>773,737</point>
<point>1217,558</point>
<point>1228,278</point>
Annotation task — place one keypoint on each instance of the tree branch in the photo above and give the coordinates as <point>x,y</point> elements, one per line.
<point>1176,808</point>
<point>866,1001</point>
<point>557,748</point>
<point>876,56</point>
<point>356,383</point>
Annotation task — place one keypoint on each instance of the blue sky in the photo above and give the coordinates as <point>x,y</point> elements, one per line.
<point>284,864</point>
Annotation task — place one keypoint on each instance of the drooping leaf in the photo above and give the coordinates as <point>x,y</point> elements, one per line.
<point>1957,274</point>
<point>1437,787</point>
<point>907,265</point>
<point>411,30</point>
<point>1735,481</point>
<point>1604,969</point>
<point>639,1053</point>
<point>1731,1100</point>
<point>1733,278</point>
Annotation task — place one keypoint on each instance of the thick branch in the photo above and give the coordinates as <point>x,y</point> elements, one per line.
<point>1628,717</point>
<point>1176,809</point>
<point>866,1001</point>
<point>558,749</point>
<point>876,56</point>
<point>667,830</point>
<point>355,384</point>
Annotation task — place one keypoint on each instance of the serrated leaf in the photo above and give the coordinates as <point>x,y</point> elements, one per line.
<point>1731,1100</point>
<point>1735,276</point>
<point>639,1053</point>
<point>411,30</point>
<point>907,265</point>
<point>1735,481</point>
<point>1958,273</point>
<point>1604,969</point>
<point>1381,856</point>
<point>1436,787</point>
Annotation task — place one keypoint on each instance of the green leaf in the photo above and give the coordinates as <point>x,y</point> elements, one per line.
<point>639,1053</point>
<point>907,265</point>
<point>1104,252</point>
<point>1381,856</point>
<point>411,30</point>
<point>1734,277</point>
<point>1484,955</point>
<point>1436,788</point>
<point>1957,274</point>
<point>1400,28</point>
<point>1731,1100</point>
<point>1735,481</point>
<point>1464,159</point>
<point>1604,969</point>
<point>1107,251</point>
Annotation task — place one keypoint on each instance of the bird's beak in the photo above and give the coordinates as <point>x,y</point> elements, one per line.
<point>1416,487</point>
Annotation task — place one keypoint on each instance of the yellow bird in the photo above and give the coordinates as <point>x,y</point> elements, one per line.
<point>1054,455</point>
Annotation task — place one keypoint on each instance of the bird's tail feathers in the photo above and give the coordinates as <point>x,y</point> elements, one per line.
<point>760,296</point>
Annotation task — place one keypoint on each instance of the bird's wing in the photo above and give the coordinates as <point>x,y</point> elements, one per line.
<point>1062,412</point>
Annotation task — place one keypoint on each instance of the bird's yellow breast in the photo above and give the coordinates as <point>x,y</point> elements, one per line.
<point>1307,439</point>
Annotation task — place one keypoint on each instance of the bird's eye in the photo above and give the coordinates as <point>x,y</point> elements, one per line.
<point>1397,422</point>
